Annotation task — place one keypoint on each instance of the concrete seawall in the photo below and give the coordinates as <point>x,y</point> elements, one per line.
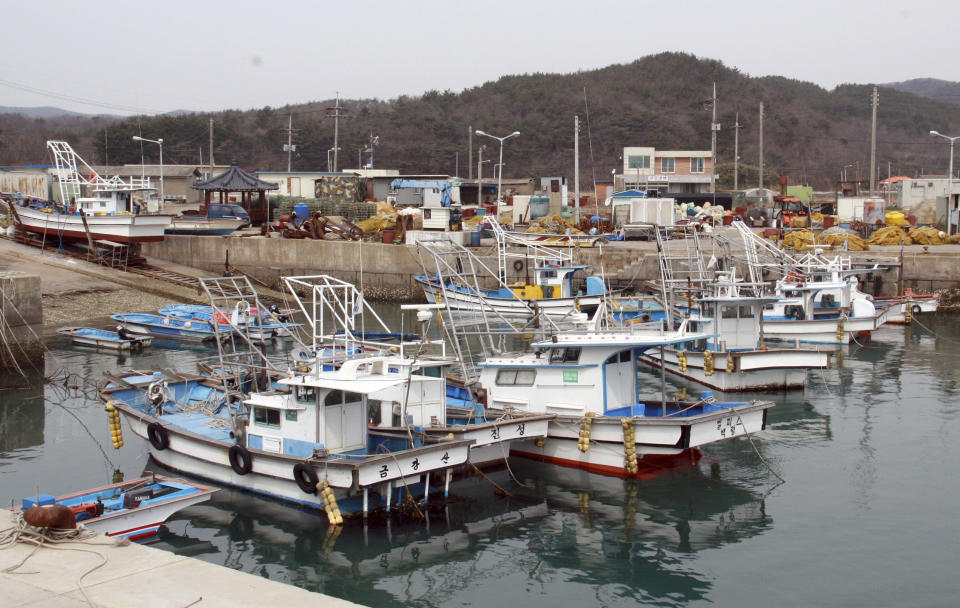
<point>21,321</point>
<point>388,270</point>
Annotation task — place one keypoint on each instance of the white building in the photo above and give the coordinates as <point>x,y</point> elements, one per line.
<point>646,168</point>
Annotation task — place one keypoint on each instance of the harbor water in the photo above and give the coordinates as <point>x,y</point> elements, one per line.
<point>865,516</point>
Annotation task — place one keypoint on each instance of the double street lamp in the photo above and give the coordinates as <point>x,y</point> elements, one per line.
<point>159,142</point>
<point>500,179</point>
<point>949,192</point>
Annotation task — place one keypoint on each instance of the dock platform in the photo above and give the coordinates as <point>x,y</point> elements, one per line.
<point>133,575</point>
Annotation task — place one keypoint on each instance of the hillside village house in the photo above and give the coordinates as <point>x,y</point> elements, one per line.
<point>646,168</point>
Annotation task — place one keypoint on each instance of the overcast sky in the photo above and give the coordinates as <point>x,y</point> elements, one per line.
<point>131,57</point>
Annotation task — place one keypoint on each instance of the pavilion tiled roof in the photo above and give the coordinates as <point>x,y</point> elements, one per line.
<point>235,179</point>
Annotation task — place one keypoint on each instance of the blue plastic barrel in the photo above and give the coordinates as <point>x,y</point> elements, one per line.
<point>475,238</point>
<point>302,210</point>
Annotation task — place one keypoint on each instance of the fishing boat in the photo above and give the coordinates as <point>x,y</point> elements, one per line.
<point>109,211</point>
<point>902,309</point>
<point>734,357</point>
<point>256,326</point>
<point>102,338</point>
<point>588,379</point>
<point>305,440</point>
<point>166,328</point>
<point>133,509</point>
<point>457,278</point>
<point>202,226</point>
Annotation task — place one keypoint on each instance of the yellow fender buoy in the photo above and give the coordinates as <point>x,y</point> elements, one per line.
<point>629,447</point>
<point>330,503</point>
<point>707,363</point>
<point>731,365</point>
<point>682,360</point>
<point>840,330</point>
<point>113,421</point>
<point>586,423</point>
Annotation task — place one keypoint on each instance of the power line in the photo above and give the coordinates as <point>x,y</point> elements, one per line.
<point>75,99</point>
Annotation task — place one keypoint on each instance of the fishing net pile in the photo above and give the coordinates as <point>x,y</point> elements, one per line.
<point>801,240</point>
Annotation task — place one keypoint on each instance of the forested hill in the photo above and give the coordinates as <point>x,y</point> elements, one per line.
<point>810,133</point>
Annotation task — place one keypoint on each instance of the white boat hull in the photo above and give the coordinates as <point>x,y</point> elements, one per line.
<point>756,370</point>
<point>272,474</point>
<point>117,228</point>
<point>653,437</point>
<point>509,307</point>
<point>916,305</point>
<point>822,331</point>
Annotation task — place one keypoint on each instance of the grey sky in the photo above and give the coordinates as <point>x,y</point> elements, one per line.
<point>155,57</point>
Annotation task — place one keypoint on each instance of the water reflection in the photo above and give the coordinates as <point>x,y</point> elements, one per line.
<point>21,413</point>
<point>628,538</point>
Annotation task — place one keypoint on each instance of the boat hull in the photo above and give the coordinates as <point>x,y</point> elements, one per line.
<point>272,474</point>
<point>915,304</point>
<point>103,339</point>
<point>758,370</point>
<point>117,228</point>
<point>653,437</point>
<point>508,307</point>
<point>203,226</point>
<point>822,330</point>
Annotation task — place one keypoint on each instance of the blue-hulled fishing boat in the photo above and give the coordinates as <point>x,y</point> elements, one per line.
<point>256,326</point>
<point>167,328</point>
<point>103,338</point>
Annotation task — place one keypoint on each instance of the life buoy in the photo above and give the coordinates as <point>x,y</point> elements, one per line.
<point>306,477</point>
<point>157,393</point>
<point>915,309</point>
<point>518,265</point>
<point>158,436</point>
<point>240,460</point>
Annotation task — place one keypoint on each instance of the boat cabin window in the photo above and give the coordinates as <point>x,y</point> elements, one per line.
<point>334,397</point>
<point>306,394</point>
<point>732,311</point>
<point>373,412</point>
<point>565,355</point>
<point>266,416</point>
<point>290,415</point>
<point>548,274</point>
<point>516,377</point>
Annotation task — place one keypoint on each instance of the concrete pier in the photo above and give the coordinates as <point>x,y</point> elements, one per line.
<point>21,321</point>
<point>388,270</point>
<point>134,575</point>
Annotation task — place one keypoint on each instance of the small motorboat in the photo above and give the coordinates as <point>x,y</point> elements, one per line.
<point>132,509</point>
<point>103,338</point>
<point>166,328</point>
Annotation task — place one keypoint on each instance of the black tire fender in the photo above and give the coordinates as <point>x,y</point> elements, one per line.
<point>915,309</point>
<point>518,265</point>
<point>158,436</point>
<point>306,477</point>
<point>240,460</point>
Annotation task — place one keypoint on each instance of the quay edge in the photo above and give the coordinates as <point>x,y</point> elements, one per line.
<point>388,269</point>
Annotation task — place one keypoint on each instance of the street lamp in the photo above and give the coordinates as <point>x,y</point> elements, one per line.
<point>330,162</point>
<point>500,180</point>
<point>950,175</point>
<point>159,142</point>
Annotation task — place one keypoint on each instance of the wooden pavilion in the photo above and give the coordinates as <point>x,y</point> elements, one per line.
<point>236,179</point>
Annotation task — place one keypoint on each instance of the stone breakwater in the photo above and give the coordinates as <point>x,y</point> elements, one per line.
<point>386,271</point>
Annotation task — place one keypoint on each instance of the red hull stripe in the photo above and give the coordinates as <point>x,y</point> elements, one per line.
<point>656,464</point>
<point>132,532</point>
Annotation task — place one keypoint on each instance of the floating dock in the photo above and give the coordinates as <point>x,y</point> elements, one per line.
<point>133,575</point>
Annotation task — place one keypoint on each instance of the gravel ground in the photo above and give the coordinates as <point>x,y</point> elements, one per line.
<point>78,307</point>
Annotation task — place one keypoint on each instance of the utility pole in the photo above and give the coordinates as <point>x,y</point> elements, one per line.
<point>337,111</point>
<point>761,145</point>
<point>479,173</point>
<point>576,165</point>
<point>211,149</point>
<point>736,153</point>
<point>875,100</point>
<point>714,127</point>
<point>289,148</point>
<point>470,146</point>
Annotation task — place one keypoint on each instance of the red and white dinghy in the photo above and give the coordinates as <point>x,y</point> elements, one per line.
<point>132,509</point>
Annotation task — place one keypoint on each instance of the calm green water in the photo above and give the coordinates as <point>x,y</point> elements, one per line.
<point>866,517</point>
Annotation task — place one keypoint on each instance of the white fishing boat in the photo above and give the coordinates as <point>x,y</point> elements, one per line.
<point>108,212</point>
<point>588,379</point>
<point>457,278</point>
<point>734,357</point>
<point>133,509</point>
<point>902,309</point>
